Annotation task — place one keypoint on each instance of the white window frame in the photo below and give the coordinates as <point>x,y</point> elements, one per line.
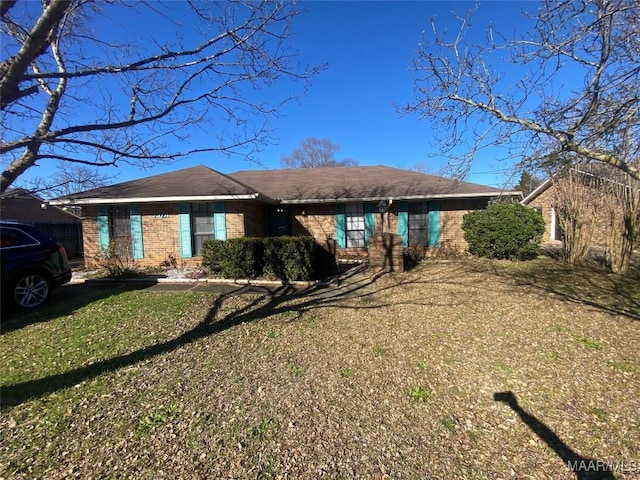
<point>199,210</point>
<point>355,225</point>
<point>554,222</point>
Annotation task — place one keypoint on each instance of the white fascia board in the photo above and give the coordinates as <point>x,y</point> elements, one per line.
<point>539,189</point>
<point>197,198</point>
<point>403,197</point>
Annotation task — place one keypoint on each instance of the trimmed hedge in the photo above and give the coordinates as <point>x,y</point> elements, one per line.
<point>212,255</point>
<point>290,258</point>
<point>242,258</point>
<point>284,258</point>
<point>504,230</point>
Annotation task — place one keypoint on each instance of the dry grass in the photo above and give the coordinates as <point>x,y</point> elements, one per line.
<point>404,380</point>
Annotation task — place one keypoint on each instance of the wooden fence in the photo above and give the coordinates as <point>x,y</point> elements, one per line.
<point>69,235</point>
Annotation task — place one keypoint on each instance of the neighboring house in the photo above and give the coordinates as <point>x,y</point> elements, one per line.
<point>590,187</point>
<point>62,226</point>
<point>542,199</point>
<point>171,215</point>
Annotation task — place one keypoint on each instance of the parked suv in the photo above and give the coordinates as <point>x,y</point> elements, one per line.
<point>32,265</point>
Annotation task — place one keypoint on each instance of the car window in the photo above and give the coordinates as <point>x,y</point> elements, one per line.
<point>12,237</point>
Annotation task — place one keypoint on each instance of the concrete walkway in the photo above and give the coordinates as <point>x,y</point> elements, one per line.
<point>353,280</point>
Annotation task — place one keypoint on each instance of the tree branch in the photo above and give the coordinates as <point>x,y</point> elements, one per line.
<point>35,45</point>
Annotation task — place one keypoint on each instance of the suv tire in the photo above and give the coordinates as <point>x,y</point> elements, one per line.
<point>30,290</point>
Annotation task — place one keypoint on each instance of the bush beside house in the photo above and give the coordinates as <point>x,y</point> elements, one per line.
<point>504,230</point>
<point>283,258</point>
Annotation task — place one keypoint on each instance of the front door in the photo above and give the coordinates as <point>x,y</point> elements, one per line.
<point>278,221</point>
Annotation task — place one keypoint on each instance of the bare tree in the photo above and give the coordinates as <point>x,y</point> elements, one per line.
<point>71,93</point>
<point>314,153</point>
<point>576,210</point>
<point>595,201</point>
<point>621,201</point>
<point>621,205</point>
<point>577,70</point>
<point>68,178</point>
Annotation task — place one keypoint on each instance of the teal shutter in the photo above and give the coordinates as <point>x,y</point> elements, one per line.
<point>403,223</point>
<point>137,248</point>
<point>341,226</point>
<point>219,222</point>
<point>369,221</point>
<point>103,229</point>
<point>434,224</point>
<point>184,225</point>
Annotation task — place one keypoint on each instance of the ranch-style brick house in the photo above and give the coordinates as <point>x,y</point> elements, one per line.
<point>169,216</point>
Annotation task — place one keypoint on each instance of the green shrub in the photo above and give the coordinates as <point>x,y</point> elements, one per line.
<point>213,251</point>
<point>242,258</point>
<point>284,258</point>
<point>504,230</point>
<point>300,258</point>
<point>273,266</point>
<point>290,258</point>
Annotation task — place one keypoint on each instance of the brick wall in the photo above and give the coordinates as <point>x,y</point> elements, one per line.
<point>451,214</point>
<point>90,235</point>
<point>315,220</point>
<point>545,201</point>
<point>386,253</point>
<point>319,221</point>
<point>160,227</point>
<point>161,232</point>
<point>245,220</point>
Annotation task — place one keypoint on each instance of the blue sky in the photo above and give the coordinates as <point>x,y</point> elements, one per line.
<point>368,46</point>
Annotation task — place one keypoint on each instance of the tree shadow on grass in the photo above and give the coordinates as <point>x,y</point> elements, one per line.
<point>584,468</point>
<point>594,287</point>
<point>266,301</point>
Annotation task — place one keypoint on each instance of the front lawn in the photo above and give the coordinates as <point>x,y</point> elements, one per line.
<point>462,369</point>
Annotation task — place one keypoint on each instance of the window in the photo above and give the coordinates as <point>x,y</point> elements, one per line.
<point>354,213</point>
<point>198,222</point>
<point>120,229</point>
<point>419,224</point>
<point>203,227</point>
<point>12,237</point>
<point>120,221</point>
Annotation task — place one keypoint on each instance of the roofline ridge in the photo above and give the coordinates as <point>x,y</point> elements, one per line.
<point>242,184</point>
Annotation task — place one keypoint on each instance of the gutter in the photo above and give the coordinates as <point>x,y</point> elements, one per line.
<point>397,198</point>
<point>266,199</point>
<point>538,191</point>
<point>191,198</point>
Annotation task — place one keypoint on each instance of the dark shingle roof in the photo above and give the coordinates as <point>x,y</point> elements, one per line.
<point>367,182</point>
<point>20,205</point>
<point>289,186</point>
<point>192,182</point>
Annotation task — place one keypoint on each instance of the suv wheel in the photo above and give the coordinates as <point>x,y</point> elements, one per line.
<point>31,290</point>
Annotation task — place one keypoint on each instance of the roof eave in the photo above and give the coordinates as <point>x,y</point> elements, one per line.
<point>165,199</point>
<point>442,196</point>
<point>537,192</point>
